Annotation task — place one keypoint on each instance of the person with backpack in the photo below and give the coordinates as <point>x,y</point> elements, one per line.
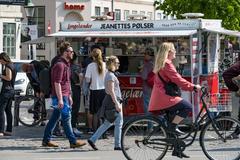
<point>61,99</point>
<point>33,70</point>
<point>147,74</point>
<point>7,94</point>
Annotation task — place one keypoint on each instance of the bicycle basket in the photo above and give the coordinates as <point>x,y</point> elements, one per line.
<point>219,102</point>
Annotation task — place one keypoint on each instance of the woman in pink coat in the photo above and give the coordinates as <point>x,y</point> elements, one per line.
<point>159,99</point>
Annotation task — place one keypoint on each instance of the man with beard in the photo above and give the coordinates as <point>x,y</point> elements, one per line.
<point>61,99</point>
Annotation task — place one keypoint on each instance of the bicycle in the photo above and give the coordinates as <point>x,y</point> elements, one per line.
<point>141,141</point>
<point>30,110</point>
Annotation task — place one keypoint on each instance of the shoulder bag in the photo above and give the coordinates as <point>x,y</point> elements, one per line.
<point>171,88</point>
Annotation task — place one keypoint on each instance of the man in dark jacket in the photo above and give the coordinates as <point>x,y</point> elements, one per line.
<point>231,78</point>
<point>33,70</point>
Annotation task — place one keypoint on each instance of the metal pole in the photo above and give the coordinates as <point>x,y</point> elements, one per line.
<point>112,6</point>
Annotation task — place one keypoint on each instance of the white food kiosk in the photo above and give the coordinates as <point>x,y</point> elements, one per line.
<point>197,42</point>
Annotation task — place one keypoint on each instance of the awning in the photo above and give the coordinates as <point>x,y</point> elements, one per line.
<point>224,31</point>
<point>40,40</point>
<point>173,33</point>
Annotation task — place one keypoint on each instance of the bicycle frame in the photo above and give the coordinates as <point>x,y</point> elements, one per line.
<point>195,128</point>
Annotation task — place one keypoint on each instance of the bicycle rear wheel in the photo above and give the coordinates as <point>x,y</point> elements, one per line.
<point>224,147</point>
<point>141,139</point>
<point>30,110</point>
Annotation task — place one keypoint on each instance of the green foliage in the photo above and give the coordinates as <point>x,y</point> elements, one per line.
<point>226,10</point>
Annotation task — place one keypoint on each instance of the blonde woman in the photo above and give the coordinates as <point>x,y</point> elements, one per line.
<point>160,100</point>
<point>111,109</point>
<point>95,75</point>
<point>7,94</point>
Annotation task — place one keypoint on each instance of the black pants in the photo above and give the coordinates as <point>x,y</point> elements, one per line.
<point>182,109</point>
<point>6,106</point>
<point>76,97</point>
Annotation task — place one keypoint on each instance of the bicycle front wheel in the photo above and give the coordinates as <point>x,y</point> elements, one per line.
<point>143,139</point>
<point>219,139</point>
<point>30,110</point>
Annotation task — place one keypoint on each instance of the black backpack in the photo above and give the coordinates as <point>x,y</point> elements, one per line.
<point>45,77</point>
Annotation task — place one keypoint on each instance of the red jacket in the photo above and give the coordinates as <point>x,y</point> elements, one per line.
<point>159,100</point>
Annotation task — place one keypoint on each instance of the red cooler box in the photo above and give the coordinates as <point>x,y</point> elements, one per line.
<point>131,87</point>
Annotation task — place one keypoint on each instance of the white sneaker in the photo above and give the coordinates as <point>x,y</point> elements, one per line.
<point>77,132</point>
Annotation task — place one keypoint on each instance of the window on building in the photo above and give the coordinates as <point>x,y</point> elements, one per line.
<point>126,13</point>
<point>134,12</point>
<point>39,20</point>
<point>106,10</point>
<point>97,11</point>
<point>117,14</point>
<point>149,14</point>
<point>142,12</point>
<point>159,16</point>
<point>9,40</point>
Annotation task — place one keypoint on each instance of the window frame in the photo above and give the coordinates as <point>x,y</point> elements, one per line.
<point>9,39</point>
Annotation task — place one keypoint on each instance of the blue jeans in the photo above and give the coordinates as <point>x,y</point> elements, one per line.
<point>146,99</point>
<point>117,130</point>
<point>65,114</point>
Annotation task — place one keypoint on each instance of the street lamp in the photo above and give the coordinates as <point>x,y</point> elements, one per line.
<point>29,10</point>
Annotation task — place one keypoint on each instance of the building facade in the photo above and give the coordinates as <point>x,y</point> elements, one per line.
<point>49,14</point>
<point>10,29</point>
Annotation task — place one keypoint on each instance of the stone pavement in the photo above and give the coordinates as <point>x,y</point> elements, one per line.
<point>25,144</point>
<point>31,137</point>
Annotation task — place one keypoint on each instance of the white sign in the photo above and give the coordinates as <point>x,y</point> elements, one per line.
<point>130,25</point>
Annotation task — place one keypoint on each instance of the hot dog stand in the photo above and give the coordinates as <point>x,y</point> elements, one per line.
<point>197,42</point>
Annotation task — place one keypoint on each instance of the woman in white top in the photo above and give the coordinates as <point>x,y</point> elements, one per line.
<point>95,75</point>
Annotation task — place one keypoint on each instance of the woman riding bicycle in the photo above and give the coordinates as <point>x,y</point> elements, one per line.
<point>160,100</point>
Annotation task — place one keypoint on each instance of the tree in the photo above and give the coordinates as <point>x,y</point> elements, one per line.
<point>226,10</point>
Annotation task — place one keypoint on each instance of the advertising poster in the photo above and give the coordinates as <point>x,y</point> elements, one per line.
<point>28,32</point>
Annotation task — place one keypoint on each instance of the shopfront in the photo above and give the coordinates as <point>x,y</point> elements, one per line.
<point>197,42</point>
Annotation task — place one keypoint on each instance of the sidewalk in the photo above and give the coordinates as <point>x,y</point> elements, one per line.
<point>25,144</point>
<point>27,138</point>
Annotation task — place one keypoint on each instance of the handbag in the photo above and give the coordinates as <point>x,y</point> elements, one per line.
<point>171,88</point>
<point>110,112</point>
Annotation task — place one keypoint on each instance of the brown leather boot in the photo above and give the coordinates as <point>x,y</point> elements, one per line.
<point>49,144</point>
<point>79,143</point>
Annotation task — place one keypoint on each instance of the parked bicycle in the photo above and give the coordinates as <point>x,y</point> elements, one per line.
<point>30,110</point>
<point>147,137</point>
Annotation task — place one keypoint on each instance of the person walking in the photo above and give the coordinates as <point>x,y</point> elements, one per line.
<point>6,94</point>
<point>146,70</point>
<point>95,75</point>
<point>111,109</point>
<point>61,99</point>
<point>76,81</point>
<point>161,100</point>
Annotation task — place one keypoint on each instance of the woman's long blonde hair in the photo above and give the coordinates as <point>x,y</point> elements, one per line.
<point>97,57</point>
<point>162,56</point>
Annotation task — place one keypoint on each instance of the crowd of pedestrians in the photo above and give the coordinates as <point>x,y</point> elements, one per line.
<point>99,85</point>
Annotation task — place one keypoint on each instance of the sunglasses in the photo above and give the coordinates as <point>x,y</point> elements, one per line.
<point>69,51</point>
